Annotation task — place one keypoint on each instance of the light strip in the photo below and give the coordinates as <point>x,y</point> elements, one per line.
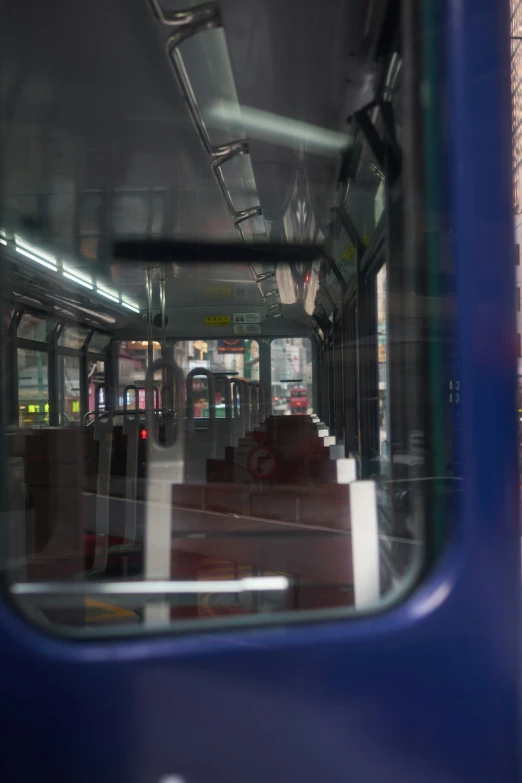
<point>35,258</point>
<point>78,280</point>
<point>81,276</point>
<point>108,294</point>
<point>152,587</point>
<point>3,241</point>
<point>49,261</point>
<point>40,254</point>
<point>130,306</point>
<point>263,125</point>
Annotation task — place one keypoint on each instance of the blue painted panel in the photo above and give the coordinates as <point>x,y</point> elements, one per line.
<point>427,691</point>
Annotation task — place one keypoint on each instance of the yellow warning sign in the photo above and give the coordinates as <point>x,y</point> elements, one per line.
<point>217,320</point>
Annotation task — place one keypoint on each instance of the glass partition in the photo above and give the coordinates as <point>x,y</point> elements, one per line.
<point>99,342</point>
<point>32,327</point>
<point>73,337</point>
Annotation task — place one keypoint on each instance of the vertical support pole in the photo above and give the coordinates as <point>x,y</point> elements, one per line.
<point>265,371</point>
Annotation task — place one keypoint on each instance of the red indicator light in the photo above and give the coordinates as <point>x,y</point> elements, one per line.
<point>144,434</point>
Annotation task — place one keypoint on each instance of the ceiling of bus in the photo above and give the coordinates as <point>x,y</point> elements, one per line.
<point>97,141</point>
<point>308,61</point>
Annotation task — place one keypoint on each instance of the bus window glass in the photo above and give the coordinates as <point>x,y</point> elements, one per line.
<point>69,389</point>
<point>98,342</point>
<point>33,328</point>
<point>33,388</point>
<point>73,337</point>
<point>315,490</point>
<point>292,390</point>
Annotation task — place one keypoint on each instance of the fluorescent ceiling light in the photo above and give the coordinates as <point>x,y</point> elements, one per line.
<point>35,253</point>
<point>36,258</point>
<point>80,275</point>
<point>281,130</point>
<point>3,241</point>
<point>78,280</point>
<point>112,295</point>
<point>130,306</point>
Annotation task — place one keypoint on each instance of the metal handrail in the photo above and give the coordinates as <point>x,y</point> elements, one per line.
<point>201,371</point>
<point>187,23</point>
<point>228,393</point>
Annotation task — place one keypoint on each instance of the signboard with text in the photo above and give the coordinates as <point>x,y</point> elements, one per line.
<point>231,346</point>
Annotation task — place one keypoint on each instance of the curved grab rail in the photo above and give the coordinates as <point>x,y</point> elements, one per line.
<point>228,393</point>
<point>136,409</point>
<point>134,387</point>
<point>176,448</point>
<point>167,399</point>
<point>211,392</point>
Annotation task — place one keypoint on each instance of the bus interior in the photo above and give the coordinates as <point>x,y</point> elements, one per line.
<point>217,342</point>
